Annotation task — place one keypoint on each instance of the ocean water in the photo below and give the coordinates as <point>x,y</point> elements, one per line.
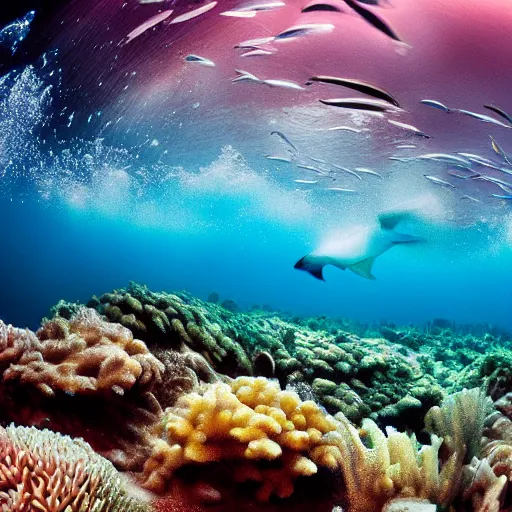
<point>227,153</point>
<point>123,162</point>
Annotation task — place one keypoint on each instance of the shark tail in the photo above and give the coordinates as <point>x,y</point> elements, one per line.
<point>307,264</point>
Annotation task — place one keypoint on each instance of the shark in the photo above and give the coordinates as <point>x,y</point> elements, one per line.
<point>358,249</point>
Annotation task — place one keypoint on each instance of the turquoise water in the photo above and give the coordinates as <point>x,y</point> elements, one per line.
<point>164,181</point>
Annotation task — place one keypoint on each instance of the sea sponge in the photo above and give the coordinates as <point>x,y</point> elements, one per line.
<point>41,471</point>
<point>249,421</point>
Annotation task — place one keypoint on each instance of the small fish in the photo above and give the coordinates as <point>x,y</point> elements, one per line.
<point>439,181</point>
<point>285,84</point>
<point>499,151</point>
<point>255,43</point>
<point>194,13</point>
<point>500,112</point>
<point>364,170</point>
<point>348,129</point>
<point>406,146</point>
<point>437,104</point>
<point>483,118</point>
<point>470,198</point>
<point>311,168</point>
<point>502,197</point>
<point>409,128</point>
<point>199,60</point>
<point>317,160</point>
<point>340,189</point>
<point>348,171</point>
<point>358,85</point>
<point>504,185</point>
<point>460,176</point>
<point>403,159</point>
<point>307,182</point>
<point>373,19</point>
<point>239,14</point>
<point>278,158</point>
<point>304,30</point>
<point>359,104</point>
<point>284,138</point>
<point>150,23</point>
<point>505,170</point>
<point>316,6</point>
<point>445,158</point>
<point>476,158</point>
<point>257,53</point>
<point>245,76</point>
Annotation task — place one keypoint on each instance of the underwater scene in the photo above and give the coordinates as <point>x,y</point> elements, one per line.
<point>257,256</point>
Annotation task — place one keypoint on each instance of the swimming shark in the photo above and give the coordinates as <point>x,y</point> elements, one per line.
<point>359,248</point>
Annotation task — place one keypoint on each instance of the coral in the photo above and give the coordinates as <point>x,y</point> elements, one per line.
<point>41,471</point>
<point>175,323</point>
<point>85,377</point>
<point>81,356</point>
<point>269,436</point>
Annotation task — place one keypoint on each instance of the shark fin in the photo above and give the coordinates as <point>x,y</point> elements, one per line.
<point>364,268</point>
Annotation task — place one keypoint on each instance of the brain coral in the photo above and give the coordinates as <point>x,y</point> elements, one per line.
<point>270,436</point>
<point>41,471</point>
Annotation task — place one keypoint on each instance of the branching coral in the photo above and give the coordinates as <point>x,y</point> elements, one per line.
<point>247,422</point>
<point>41,471</point>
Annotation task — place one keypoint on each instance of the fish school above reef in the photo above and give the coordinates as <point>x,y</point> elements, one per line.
<point>143,401</point>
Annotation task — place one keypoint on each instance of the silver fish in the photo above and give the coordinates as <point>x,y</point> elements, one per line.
<point>502,197</point>
<point>314,169</point>
<point>304,30</point>
<point>278,158</point>
<point>255,43</point>
<point>193,14</point>
<point>504,185</point>
<point>483,118</point>
<point>307,182</point>
<point>439,181</point>
<point>406,146</point>
<point>445,158</point>
<point>199,60</point>
<point>476,158</point>
<point>409,128</point>
<point>340,189</point>
<point>257,53</point>
<point>361,104</point>
<point>245,76</point>
<point>285,84</point>
<point>150,23</point>
<point>402,159</point>
<point>348,171</point>
<point>500,112</point>
<point>347,129</point>
<point>471,198</point>
<point>253,8</point>
<point>364,170</point>
<point>437,104</point>
<point>317,160</point>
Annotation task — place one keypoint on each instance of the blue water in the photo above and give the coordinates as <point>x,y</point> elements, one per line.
<point>90,211</point>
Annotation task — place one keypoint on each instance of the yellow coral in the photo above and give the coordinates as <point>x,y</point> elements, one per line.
<point>247,421</point>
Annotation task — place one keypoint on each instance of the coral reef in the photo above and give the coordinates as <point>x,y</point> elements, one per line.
<point>85,377</point>
<point>175,322</point>
<point>47,472</point>
<point>247,422</point>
